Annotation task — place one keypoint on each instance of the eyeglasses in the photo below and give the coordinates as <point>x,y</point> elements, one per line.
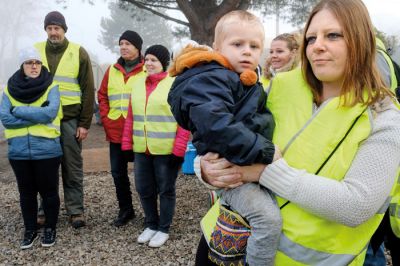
<point>33,62</point>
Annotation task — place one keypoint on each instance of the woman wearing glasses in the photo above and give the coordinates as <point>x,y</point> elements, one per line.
<point>30,112</point>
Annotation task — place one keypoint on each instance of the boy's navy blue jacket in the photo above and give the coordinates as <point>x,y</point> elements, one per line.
<point>223,115</point>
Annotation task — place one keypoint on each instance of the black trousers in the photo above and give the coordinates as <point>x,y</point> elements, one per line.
<point>33,177</point>
<point>119,172</point>
<point>202,254</point>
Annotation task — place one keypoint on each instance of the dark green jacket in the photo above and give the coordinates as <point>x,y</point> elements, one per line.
<point>83,111</point>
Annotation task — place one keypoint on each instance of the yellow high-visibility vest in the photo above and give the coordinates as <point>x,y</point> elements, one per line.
<point>66,75</point>
<point>50,130</point>
<point>119,92</point>
<point>265,82</point>
<point>154,126</point>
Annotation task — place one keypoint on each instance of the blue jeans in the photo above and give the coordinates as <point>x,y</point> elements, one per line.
<point>258,206</point>
<point>377,259</point>
<point>155,177</point>
<point>119,172</point>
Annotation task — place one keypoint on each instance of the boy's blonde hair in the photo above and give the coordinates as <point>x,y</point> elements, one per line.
<point>236,17</point>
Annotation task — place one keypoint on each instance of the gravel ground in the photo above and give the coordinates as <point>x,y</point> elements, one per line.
<point>100,243</point>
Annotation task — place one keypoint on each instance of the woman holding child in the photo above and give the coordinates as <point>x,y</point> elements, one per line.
<point>338,128</point>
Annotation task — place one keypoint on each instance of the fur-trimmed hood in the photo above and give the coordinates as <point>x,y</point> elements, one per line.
<point>191,55</point>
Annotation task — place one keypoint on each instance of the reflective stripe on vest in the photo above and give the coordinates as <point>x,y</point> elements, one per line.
<point>307,139</point>
<point>154,126</point>
<point>50,130</point>
<point>66,75</point>
<point>119,92</point>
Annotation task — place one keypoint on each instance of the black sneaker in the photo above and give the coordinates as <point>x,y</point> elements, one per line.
<point>124,217</point>
<point>29,238</point>
<point>49,237</point>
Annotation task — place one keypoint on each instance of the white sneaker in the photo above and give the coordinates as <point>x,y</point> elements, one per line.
<point>146,235</point>
<point>158,240</point>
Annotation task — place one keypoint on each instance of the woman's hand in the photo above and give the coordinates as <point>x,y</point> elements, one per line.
<point>219,172</point>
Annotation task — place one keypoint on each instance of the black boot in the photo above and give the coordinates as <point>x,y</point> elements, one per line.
<point>123,217</point>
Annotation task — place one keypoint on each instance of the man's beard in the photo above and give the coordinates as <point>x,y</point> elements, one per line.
<point>55,40</point>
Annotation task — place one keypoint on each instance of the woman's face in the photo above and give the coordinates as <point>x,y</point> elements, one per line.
<point>152,64</point>
<point>32,68</point>
<point>326,48</point>
<point>280,54</point>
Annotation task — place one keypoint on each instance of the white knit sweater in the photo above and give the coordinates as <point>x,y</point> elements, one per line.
<point>364,188</point>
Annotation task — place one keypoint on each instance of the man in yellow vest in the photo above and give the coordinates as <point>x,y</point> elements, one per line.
<point>113,96</point>
<point>70,64</point>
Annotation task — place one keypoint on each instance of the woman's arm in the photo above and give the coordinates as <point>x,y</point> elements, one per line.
<point>8,119</point>
<point>365,187</point>
<point>38,114</point>
<point>127,141</point>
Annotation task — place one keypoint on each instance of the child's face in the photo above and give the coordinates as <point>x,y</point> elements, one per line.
<point>242,46</point>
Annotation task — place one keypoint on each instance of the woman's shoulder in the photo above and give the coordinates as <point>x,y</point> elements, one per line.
<point>386,115</point>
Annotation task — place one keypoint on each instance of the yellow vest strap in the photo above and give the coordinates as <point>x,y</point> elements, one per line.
<point>65,79</point>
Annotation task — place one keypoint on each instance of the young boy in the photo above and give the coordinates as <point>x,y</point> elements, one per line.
<point>217,96</point>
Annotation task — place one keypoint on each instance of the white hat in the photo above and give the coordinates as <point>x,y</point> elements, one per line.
<point>28,53</point>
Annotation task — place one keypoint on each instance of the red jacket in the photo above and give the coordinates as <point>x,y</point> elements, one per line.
<point>113,128</point>
<point>182,135</point>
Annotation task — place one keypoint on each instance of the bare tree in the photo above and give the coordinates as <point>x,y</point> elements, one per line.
<point>124,16</point>
<point>201,16</point>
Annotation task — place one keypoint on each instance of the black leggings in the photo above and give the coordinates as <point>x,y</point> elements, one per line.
<point>33,177</point>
